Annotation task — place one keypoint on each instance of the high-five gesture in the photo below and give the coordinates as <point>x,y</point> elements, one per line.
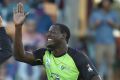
<point>19,14</point>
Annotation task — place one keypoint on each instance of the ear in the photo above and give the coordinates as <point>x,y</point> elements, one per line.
<point>64,35</point>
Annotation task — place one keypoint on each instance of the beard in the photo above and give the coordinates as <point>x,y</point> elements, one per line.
<point>54,44</point>
<point>51,46</point>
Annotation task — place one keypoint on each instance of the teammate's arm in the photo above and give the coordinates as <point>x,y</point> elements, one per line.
<point>5,45</point>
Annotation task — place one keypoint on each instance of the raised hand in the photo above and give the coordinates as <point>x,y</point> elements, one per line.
<point>19,14</point>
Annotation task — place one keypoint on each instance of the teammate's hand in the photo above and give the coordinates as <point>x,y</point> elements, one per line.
<point>0,21</point>
<point>19,14</point>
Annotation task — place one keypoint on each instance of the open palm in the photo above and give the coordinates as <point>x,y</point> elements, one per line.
<point>19,14</point>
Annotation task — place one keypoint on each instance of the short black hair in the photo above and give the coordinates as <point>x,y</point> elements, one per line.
<point>64,29</point>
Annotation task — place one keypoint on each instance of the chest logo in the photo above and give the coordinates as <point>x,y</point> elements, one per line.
<point>48,63</point>
<point>89,68</point>
<point>62,67</point>
<point>55,76</point>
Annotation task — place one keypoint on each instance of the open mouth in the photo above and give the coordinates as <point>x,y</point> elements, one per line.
<point>50,40</point>
<point>50,43</point>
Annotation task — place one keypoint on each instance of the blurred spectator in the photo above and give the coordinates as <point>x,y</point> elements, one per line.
<point>71,18</point>
<point>51,9</point>
<point>43,19</point>
<point>11,68</point>
<point>2,72</point>
<point>6,9</point>
<point>61,13</point>
<point>103,21</point>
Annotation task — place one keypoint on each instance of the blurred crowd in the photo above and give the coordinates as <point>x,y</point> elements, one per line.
<point>103,46</point>
<point>99,41</point>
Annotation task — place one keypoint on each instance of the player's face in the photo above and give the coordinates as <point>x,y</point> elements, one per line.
<point>106,4</point>
<point>54,37</point>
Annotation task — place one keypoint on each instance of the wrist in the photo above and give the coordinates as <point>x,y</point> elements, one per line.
<point>18,28</point>
<point>18,25</point>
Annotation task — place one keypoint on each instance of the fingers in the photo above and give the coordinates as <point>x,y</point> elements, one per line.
<point>19,8</point>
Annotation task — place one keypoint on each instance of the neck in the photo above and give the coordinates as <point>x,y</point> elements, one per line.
<point>61,50</point>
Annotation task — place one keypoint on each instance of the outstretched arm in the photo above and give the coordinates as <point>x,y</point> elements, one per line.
<point>19,52</point>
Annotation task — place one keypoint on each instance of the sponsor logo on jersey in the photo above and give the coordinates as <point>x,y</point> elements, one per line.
<point>62,67</point>
<point>89,68</point>
<point>55,76</point>
<point>48,63</point>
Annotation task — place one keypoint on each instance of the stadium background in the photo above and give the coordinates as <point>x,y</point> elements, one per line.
<point>43,13</point>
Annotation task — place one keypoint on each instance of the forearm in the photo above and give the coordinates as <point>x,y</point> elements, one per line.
<point>19,52</point>
<point>5,46</point>
<point>18,45</point>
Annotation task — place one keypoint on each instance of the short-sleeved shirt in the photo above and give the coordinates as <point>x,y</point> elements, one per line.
<point>104,32</point>
<point>73,65</point>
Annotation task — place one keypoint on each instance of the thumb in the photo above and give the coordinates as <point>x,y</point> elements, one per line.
<point>26,14</point>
